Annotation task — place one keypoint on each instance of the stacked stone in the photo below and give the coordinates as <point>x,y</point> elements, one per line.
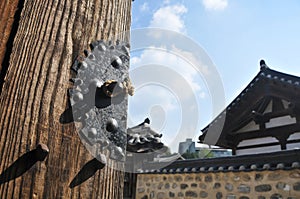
<point>268,184</point>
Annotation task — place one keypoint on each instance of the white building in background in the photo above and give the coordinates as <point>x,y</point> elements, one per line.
<point>188,146</point>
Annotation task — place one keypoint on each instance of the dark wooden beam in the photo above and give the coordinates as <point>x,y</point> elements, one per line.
<point>285,92</point>
<point>264,118</point>
<point>267,144</point>
<point>278,132</point>
<point>44,41</point>
<point>277,105</point>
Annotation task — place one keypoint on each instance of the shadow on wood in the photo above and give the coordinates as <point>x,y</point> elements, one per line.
<point>66,116</point>
<point>24,163</point>
<point>88,170</point>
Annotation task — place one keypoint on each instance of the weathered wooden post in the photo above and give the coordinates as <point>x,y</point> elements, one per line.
<point>37,52</point>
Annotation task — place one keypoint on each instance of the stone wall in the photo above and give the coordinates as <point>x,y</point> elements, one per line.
<point>276,184</point>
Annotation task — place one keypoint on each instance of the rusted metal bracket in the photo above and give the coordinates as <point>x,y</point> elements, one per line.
<point>98,97</point>
<point>99,101</point>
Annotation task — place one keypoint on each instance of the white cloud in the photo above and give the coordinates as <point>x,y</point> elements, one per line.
<point>175,85</point>
<point>215,4</point>
<point>169,17</point>
<point>144,7</point>
<point>166,2</point>
<point>169,77</point>
<point>192,60</point>
<point>183,62</point>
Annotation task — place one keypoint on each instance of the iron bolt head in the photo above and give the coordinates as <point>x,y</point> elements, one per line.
<point>92,133</point>
<point>112,125</point>
<point>116,62</point>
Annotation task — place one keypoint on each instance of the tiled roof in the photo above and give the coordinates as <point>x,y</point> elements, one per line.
<point>257,162</point>
<point>169,158</point>
<point>142,138</point>
<point>258,87</point>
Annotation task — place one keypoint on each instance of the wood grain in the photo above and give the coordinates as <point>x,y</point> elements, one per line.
<point>8,10</point>
<point>51,33</point>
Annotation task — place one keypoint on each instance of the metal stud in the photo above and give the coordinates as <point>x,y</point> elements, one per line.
<point>77,97</point>
<point>88,98</point>
<point>92,133</point>
<point>112,125</point>
<point>116,62</point>
<point>101,47</point>
<point>78,82</point>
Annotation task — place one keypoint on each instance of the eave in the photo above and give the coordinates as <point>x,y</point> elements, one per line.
<point>266,84</point>
<point>284,160</point>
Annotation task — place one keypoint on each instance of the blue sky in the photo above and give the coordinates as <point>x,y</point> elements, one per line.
<point>234,34</point>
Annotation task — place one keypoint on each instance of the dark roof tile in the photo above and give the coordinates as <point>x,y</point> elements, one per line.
<point>296,165</point>
<point>221,168</point>
<point>253,167</point>
<point>194,169</point>
<point>280,166</point>
<point>256,89</point>
<point>186,170</point>
<point>266,166</point>
<point>257,162</point>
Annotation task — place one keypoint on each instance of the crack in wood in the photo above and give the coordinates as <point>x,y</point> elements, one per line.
<point>9,43</point>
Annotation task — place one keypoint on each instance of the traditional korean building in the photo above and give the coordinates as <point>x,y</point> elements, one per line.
<point>264,117</point>
<point>262,127</point>
<point>144,149</point>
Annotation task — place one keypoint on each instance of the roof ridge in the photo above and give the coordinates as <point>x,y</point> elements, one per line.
<point>268,161</point>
